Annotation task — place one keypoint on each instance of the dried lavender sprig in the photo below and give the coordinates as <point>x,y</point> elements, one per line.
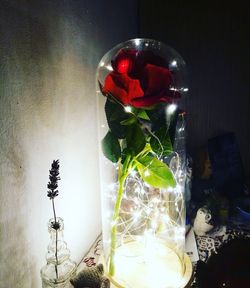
<point>52,193</point>
<point>52,186</point>
<point>53,177</point>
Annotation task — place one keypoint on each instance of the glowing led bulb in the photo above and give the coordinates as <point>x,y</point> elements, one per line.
<point>136,200</point>
<point>128,109</point>
<point>174,63</point>
<point>136,216</point>
<point>132,173</point>
<point>170,189</point>
<point>137,42</point>
<point>171,108</point>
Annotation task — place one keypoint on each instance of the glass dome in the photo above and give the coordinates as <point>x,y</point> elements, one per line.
<point>140,91</point>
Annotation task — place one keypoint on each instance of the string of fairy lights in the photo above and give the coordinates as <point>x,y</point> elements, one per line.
<point>146,210</point>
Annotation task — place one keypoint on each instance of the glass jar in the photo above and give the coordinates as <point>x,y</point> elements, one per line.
<point>59,268</point>
<point>140,90</point>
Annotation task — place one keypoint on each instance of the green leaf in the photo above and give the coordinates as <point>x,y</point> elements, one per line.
<point>129,121</point>
<point>161,143</point>
<point>111,147</point>
<point>135,139</point>
<point>115,114</point>
<point>158,117</point>
<point>143,115</point>
<point>155,172</point>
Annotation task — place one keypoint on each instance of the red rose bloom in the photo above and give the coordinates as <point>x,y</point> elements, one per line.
<point>139,79</point>
<point>123,88</point>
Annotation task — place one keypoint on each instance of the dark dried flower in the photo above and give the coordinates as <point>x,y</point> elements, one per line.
<point>52,193</point>
<point>53,177</point>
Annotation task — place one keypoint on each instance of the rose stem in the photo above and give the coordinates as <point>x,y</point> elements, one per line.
<point>121,179</point>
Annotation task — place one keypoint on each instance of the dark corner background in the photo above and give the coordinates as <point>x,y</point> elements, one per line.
<point>213,37</point>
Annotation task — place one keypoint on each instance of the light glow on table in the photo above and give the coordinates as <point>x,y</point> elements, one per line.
<point>148,265</point>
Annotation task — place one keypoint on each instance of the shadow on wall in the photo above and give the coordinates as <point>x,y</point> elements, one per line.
<point>24,46</point>
<point>49,52</point>
<point>42,100</point>
<point>17,268</point>
<point>13,237</point>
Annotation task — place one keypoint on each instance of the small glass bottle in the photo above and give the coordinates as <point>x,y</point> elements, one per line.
<point>59,268</point>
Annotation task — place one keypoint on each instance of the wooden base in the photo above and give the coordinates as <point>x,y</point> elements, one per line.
<point>187,277</point>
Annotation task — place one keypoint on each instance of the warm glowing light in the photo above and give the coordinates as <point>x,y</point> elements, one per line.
<point>178,188</point>
<point>136,200</point>
<point>136,215</point>
<point>132,173</point>
<point>173,89</point>
<point>137,190</point>
<point>143,260</point>
<point>166,218</point>
<point>171,108</point>
<point>154,224</point>
<point>174,63</point>
<point>148,265</point>
<point>128,109</point>
<point>156,200</point>
<point>170,189</point>
<point>109,67</point>
<point>137,42</point>
<point>179,233</point>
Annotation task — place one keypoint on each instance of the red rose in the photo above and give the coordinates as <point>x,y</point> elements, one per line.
<point>122,87</point>
<point>123,62</point>
<point>140,79</point>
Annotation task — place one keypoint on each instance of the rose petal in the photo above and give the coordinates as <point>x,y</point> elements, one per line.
<point>115,90</point>
<point>144,57</point>
<point>124,66</point>
<point>124,61</point>
<point>148,101</point>
<point>156,79</point>
<point>140,79</point>
<point>145,101</point>
<point>122,87</point>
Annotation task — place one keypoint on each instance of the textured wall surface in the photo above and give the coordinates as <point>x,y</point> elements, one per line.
<point>49,51</point>
<point>214,39</point>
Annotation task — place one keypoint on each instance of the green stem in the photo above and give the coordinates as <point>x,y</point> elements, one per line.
<point>122,175</point>
<point>124,170</point>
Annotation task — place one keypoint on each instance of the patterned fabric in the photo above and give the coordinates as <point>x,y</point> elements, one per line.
<point>209,244</point>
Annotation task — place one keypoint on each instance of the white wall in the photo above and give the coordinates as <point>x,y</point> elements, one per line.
<point>49,51</point>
